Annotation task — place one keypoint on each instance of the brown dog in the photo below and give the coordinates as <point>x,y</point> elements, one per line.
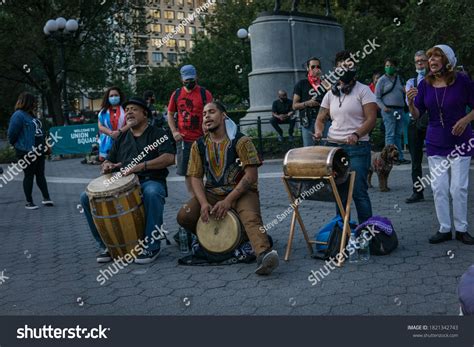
<point>381,164</point>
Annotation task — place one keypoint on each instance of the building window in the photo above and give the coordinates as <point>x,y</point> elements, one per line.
<point>180,15</point>
<point>172,57</point>
<point>169,28</point>
<point>169,2</point>
<point>156,28</point>
<point>191,44</point>
<point>156,43</point>
<point>190,3</point>
<point>182,44</point>
<point>181,30</point>
<point>191,30</point>
<point>171,43</point>
<point>157,57</point>
<point>169,14</point>
<point>180,3</point>
<point>155,14</point>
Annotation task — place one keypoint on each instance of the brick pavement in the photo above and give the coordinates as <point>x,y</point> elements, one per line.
<point>48,256</point>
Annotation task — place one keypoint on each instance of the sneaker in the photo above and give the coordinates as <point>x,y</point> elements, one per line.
<point>267,262</point>
<point>147,256</point>
<point>104,257</point>
<point>47,202</point>
<point>280,138</point>
<point>31,206</point>
<point>291,138</point>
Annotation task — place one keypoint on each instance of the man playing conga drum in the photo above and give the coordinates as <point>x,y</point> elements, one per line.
<point>229,161</point>
<point>146,151</point>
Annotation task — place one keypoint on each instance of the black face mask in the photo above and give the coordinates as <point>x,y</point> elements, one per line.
<point>189,84</point>
<point>283,99</point>
<point>345,89</point>
<point>348,76</point>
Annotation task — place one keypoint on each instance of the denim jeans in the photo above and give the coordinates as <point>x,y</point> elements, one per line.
<point>394,128</point>
<point>307,133</point>
<point>154,193</point>
<point>359,156</point>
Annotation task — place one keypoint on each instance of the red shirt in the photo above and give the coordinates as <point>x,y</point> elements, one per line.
<point>189,108</point>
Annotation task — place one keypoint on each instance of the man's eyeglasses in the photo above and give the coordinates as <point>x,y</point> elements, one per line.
<point>419,62</point>
<point>315,66</point>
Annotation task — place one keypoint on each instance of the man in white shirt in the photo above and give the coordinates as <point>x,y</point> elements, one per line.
<point>353,111</point>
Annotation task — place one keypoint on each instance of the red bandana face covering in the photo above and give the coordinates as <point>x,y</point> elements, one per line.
<point>314,81</point>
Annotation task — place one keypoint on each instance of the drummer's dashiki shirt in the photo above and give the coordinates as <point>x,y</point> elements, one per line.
<point>222,162</point>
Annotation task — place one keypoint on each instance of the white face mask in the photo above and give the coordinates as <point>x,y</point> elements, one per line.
<point>231,128</point>
<point>421,71</point>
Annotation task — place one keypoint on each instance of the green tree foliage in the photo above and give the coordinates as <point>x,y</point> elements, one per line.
<point>404,27</point>
<point>401,27</point>
<point>95,54</point>
<point>221,58</point>
<point>162,81</point>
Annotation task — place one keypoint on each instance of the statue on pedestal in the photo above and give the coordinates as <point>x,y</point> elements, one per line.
<point>294,6</point>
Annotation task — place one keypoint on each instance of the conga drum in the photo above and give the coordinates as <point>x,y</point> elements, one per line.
<point>118,212</point>
<point>316,163</point>
<point>220,236</point>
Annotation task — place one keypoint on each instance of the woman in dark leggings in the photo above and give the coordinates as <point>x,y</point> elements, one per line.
<point>26,134</point>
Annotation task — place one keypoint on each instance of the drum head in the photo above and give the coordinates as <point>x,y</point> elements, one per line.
<point>219,236</point>
<point>110,184</point>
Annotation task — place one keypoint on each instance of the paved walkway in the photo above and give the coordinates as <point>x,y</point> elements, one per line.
<point>47,261</point>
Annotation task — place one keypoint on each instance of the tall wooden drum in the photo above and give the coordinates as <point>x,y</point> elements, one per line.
<point>220,236</point>
<point>118,212</point>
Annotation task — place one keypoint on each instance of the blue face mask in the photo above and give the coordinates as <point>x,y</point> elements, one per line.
<point>421,72</point>
<point>114,100</point>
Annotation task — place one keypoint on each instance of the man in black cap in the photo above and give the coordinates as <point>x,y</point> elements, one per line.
<point>146,151</point>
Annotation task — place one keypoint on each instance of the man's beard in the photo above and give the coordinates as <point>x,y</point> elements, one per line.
<point>213,130</point>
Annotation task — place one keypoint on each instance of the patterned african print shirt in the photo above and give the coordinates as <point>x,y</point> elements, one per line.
<point>222,163</point>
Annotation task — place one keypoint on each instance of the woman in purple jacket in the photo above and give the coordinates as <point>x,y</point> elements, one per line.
<point>449,138</point>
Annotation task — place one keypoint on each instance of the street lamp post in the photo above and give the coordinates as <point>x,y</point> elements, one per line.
<point>243,35</point>
<point>58,29</point>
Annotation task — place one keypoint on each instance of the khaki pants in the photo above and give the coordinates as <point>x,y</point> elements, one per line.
<point>248,209</point>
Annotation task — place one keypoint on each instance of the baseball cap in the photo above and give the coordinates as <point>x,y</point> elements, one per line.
<point>188,72</point>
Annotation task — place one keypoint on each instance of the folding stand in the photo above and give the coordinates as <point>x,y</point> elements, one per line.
<point>345,213</point>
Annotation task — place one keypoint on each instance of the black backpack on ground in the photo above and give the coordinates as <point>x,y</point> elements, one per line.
<point>333,246</point>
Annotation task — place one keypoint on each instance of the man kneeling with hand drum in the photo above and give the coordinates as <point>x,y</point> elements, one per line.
<point>229,161</point>
<point>145,151</point>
